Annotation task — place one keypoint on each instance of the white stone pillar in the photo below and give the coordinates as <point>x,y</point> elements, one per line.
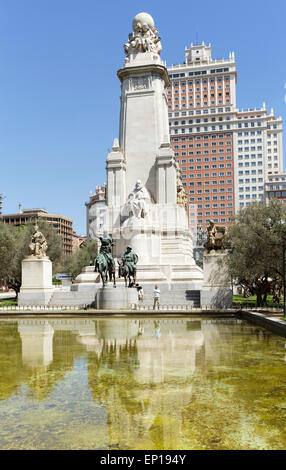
<point>166,177</point>
<point>216,290</point>
<point>37,287</point>
<point>116,175</point>
<point>143,118</point>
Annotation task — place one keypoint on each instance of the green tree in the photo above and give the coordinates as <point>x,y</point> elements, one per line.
<point>14,247</point>
<point>257,240</point>
<point>86,255</point>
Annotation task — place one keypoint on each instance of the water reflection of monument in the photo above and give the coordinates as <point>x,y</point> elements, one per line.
<point>144,381</point>
<point>37,343</point>
<point>96,335</point>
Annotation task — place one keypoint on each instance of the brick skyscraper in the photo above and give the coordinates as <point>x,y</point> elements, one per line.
<point>202,112</point>
<point>225,154</point>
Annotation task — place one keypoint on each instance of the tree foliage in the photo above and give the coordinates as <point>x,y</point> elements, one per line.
<point>257,240</point>
<point>74,262</point>
<point>14,247</point>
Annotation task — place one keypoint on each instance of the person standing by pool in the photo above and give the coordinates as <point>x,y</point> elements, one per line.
<point>140,293</point>
<point>157,294</point>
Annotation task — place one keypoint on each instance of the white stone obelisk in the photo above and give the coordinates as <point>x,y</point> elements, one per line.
<point>146,204</point>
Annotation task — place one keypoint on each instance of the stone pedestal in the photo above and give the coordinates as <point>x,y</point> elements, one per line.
<point>87,275</point>
<point>216,291</point>
<point>37,287</point>
<point>110,298</point>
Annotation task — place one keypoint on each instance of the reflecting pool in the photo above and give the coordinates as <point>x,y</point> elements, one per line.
<point>117,383</point>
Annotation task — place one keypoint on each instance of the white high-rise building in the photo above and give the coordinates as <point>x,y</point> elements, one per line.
<point>225,154</point>
<point>274,145</point>
<point>202,114</point>
<point>257,153</point>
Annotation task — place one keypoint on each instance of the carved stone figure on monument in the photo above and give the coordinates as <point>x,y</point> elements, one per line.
<point>181,195</point>
<point>38,245</point>
<point>216,237</point>
<point>182,198</point>
<point>144,37</point>
<point>138,202</point>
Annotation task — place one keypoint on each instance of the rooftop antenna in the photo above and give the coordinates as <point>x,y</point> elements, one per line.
<point>197,39</point>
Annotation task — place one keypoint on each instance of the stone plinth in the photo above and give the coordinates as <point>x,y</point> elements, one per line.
<point>87,275</point>
<point>37,287</point>
<point>216,291</point>
<point>117,298</point>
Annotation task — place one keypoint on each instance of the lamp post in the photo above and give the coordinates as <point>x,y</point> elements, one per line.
<point>284,278</point>
<point>281,231</point>
<point>282,224</point>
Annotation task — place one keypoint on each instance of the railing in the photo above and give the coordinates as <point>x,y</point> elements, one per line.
<point>138,307</point>
<point>163,307</point>
<point>13,308</point>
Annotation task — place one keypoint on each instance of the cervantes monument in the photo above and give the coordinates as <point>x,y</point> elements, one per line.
<point>146,204</point>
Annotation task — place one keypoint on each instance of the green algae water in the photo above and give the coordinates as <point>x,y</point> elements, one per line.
<point>169,383</point>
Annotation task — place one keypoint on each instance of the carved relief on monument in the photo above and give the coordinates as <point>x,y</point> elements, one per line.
<point>138,83</point>
<point>144,37</point>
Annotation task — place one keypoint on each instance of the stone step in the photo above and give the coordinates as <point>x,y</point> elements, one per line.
<point>72,298</point>
<point>174,296</point>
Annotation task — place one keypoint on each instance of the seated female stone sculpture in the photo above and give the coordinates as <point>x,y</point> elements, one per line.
<point>38,245</point>
<point>138,202</point>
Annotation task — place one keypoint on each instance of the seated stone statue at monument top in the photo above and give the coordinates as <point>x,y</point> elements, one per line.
<point>144,37</point>
<point>216,237</point>
<point>38,245</point>
<point>138,202</point>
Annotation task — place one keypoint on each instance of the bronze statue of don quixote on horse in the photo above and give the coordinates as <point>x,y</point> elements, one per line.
<point>105,264</point>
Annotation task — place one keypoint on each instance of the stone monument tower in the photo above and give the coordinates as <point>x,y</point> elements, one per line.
<point>146,201</point>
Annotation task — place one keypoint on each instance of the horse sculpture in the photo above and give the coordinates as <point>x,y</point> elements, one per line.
<point>126,272</point>
<point>105,271</point>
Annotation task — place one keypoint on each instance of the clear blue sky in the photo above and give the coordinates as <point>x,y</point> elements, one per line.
<point>59,93</point>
